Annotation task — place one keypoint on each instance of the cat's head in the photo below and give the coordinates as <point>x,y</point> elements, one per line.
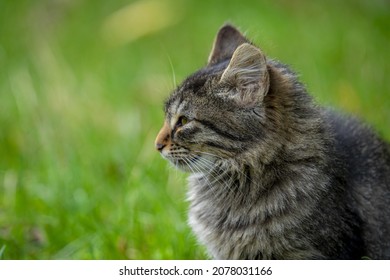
<point>217,113</point>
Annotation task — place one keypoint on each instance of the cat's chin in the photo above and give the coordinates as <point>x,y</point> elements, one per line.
<point>193,165</point>
<point>183,167</point>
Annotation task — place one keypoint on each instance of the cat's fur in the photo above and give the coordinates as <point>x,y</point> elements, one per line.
<point>274,176</point>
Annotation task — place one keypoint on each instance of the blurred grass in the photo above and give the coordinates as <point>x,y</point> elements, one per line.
<point>82,85</point>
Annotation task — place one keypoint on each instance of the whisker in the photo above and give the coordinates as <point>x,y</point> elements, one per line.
<point>188,163</point>
<point>210,154</point>
<point>172,70</point>
<point>236,170</point>
<point>215,175</point>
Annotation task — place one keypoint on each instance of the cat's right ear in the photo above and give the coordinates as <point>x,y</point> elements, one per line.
<point>227,41</point>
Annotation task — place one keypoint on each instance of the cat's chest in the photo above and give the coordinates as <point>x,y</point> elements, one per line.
<point>221,203</point>
<point>227,224</point>
<point>235,225</point>
<point>229,233</point>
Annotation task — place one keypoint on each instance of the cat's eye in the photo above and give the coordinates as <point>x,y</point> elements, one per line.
<point>181,121</point>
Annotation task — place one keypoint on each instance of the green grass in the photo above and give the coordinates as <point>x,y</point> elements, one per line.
<point>81,103</point>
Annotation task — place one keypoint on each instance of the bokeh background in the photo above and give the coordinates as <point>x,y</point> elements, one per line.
<point>82,85</point>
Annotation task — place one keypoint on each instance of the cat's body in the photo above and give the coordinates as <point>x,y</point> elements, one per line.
<point>273,175</point>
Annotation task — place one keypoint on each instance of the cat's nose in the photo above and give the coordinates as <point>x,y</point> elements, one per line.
<point>160,146</point>
<point>162,138</point>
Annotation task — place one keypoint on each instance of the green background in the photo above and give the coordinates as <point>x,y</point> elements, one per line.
<point>82,85</point>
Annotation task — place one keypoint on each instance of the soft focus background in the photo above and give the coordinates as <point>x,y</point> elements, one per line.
<point>82,85</point>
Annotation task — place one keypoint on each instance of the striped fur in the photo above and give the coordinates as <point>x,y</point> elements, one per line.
<point>274,176</point>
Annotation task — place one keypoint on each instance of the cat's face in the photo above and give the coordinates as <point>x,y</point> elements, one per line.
<point>217,112</point>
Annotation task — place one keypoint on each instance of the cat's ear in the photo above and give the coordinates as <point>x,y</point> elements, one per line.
<point>247,72</point>
<point>226,42</point>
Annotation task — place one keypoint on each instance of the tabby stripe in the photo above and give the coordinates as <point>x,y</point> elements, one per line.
<point>216,145</point>
<point>223,133</point>
<point>248,177</point>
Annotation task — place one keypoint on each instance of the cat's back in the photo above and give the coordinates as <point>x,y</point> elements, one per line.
<point>366,164</point>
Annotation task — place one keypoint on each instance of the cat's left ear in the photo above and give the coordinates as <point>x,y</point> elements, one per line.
<point>247,72</point>
<point>226,42</point>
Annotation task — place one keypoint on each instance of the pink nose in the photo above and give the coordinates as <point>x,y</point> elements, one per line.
<point>160,146</point>
<point>163,138</point>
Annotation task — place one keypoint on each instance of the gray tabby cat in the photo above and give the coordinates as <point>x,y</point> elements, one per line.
<point>273,175</point>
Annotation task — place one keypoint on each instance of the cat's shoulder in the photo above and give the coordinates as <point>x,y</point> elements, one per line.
<point>348,127</point>
<point>356,141</point>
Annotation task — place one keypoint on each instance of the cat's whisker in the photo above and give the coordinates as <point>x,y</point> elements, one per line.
<point>210,154</point>
<point>172,70</point>
<point>196,169</point>
<point>217,176</point>
<point>209,165</point>
<point>238,171</point>
<point>188,163</point>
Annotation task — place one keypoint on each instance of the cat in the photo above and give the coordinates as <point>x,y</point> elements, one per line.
<point>273,175</point>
